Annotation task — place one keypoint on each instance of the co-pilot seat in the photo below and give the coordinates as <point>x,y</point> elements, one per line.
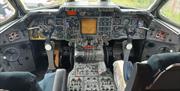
<point>25,81</point>
<point>168,79</point>
<point>160,73</point>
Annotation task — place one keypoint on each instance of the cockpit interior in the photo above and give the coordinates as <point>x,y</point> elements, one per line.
<point>89,45</point>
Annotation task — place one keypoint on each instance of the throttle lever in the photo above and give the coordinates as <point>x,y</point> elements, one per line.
<point>127,66</point>
<point>49,46</point>
<point>127,46</point>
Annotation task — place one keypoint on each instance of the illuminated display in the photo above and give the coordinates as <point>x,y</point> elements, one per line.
<point>71,13</point>
<point>88,26</point>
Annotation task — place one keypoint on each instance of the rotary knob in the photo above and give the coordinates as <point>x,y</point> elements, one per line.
<point>79,59</point>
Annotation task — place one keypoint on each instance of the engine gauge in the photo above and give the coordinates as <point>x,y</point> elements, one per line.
<point>117,21</point>
<point>51,21</point>
<point>140,23</point>
<point>131,31</point>
<point>117,28</point>
<point>134,22</point>
<point>82,13</point>
<point>126,21</point>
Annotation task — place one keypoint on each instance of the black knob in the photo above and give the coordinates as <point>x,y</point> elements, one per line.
<point>79,59</point>
<point>150,45</point>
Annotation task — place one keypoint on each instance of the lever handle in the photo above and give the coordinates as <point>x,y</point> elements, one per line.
<point>49,46</point>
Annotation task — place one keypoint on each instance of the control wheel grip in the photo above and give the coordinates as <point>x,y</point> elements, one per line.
<point>118,75</point>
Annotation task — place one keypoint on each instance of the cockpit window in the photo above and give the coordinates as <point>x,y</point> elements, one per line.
<point>6,11</point>
<point>36,4</point>
<point>138,4</point>
<point>171,11</point>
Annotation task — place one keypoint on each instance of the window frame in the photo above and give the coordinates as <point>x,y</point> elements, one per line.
<point>146,9</point>
<point>26,9</point>
<point>166,19</point>
<point>12,17</point>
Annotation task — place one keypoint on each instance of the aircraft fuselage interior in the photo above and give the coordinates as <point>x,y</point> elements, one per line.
<point>85,40</point>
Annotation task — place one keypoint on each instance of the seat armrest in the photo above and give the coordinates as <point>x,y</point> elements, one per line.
<point>139,77</point>
<point>60,80</point>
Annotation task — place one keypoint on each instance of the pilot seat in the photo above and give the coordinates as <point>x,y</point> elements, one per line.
<point>26,81</point>
<point>161,72</point>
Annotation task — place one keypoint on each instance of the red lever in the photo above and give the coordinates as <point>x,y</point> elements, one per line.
<point>88,47</point>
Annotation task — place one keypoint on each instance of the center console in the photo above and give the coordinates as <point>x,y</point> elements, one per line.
<point>90,72</point>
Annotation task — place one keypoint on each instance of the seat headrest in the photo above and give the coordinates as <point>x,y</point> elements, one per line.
<point>167,79</point>
<point>162,61</point>
<point>18,81</point>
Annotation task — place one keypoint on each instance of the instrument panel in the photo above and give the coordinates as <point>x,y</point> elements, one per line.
<point>72,23</point>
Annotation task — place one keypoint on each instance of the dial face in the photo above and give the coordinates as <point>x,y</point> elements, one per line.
<point>11,54</point>
<point>126,21</point>
<point>140,23</point>
<point>117,21</point>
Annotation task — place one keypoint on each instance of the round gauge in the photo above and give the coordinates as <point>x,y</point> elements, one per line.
<point>131,31</point>
<point>50,21</point>
<point>140,23</point>
<point>117,21</point>
<point>82,13</point>
<point>126,21</point>
<point>11,54</point>
<point>117,28</point>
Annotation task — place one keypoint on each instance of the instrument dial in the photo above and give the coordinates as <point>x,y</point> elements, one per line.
<point>11,54</point>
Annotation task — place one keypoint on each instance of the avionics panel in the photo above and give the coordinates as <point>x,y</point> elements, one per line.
<point>88,26</point>
<point>76,22</point>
